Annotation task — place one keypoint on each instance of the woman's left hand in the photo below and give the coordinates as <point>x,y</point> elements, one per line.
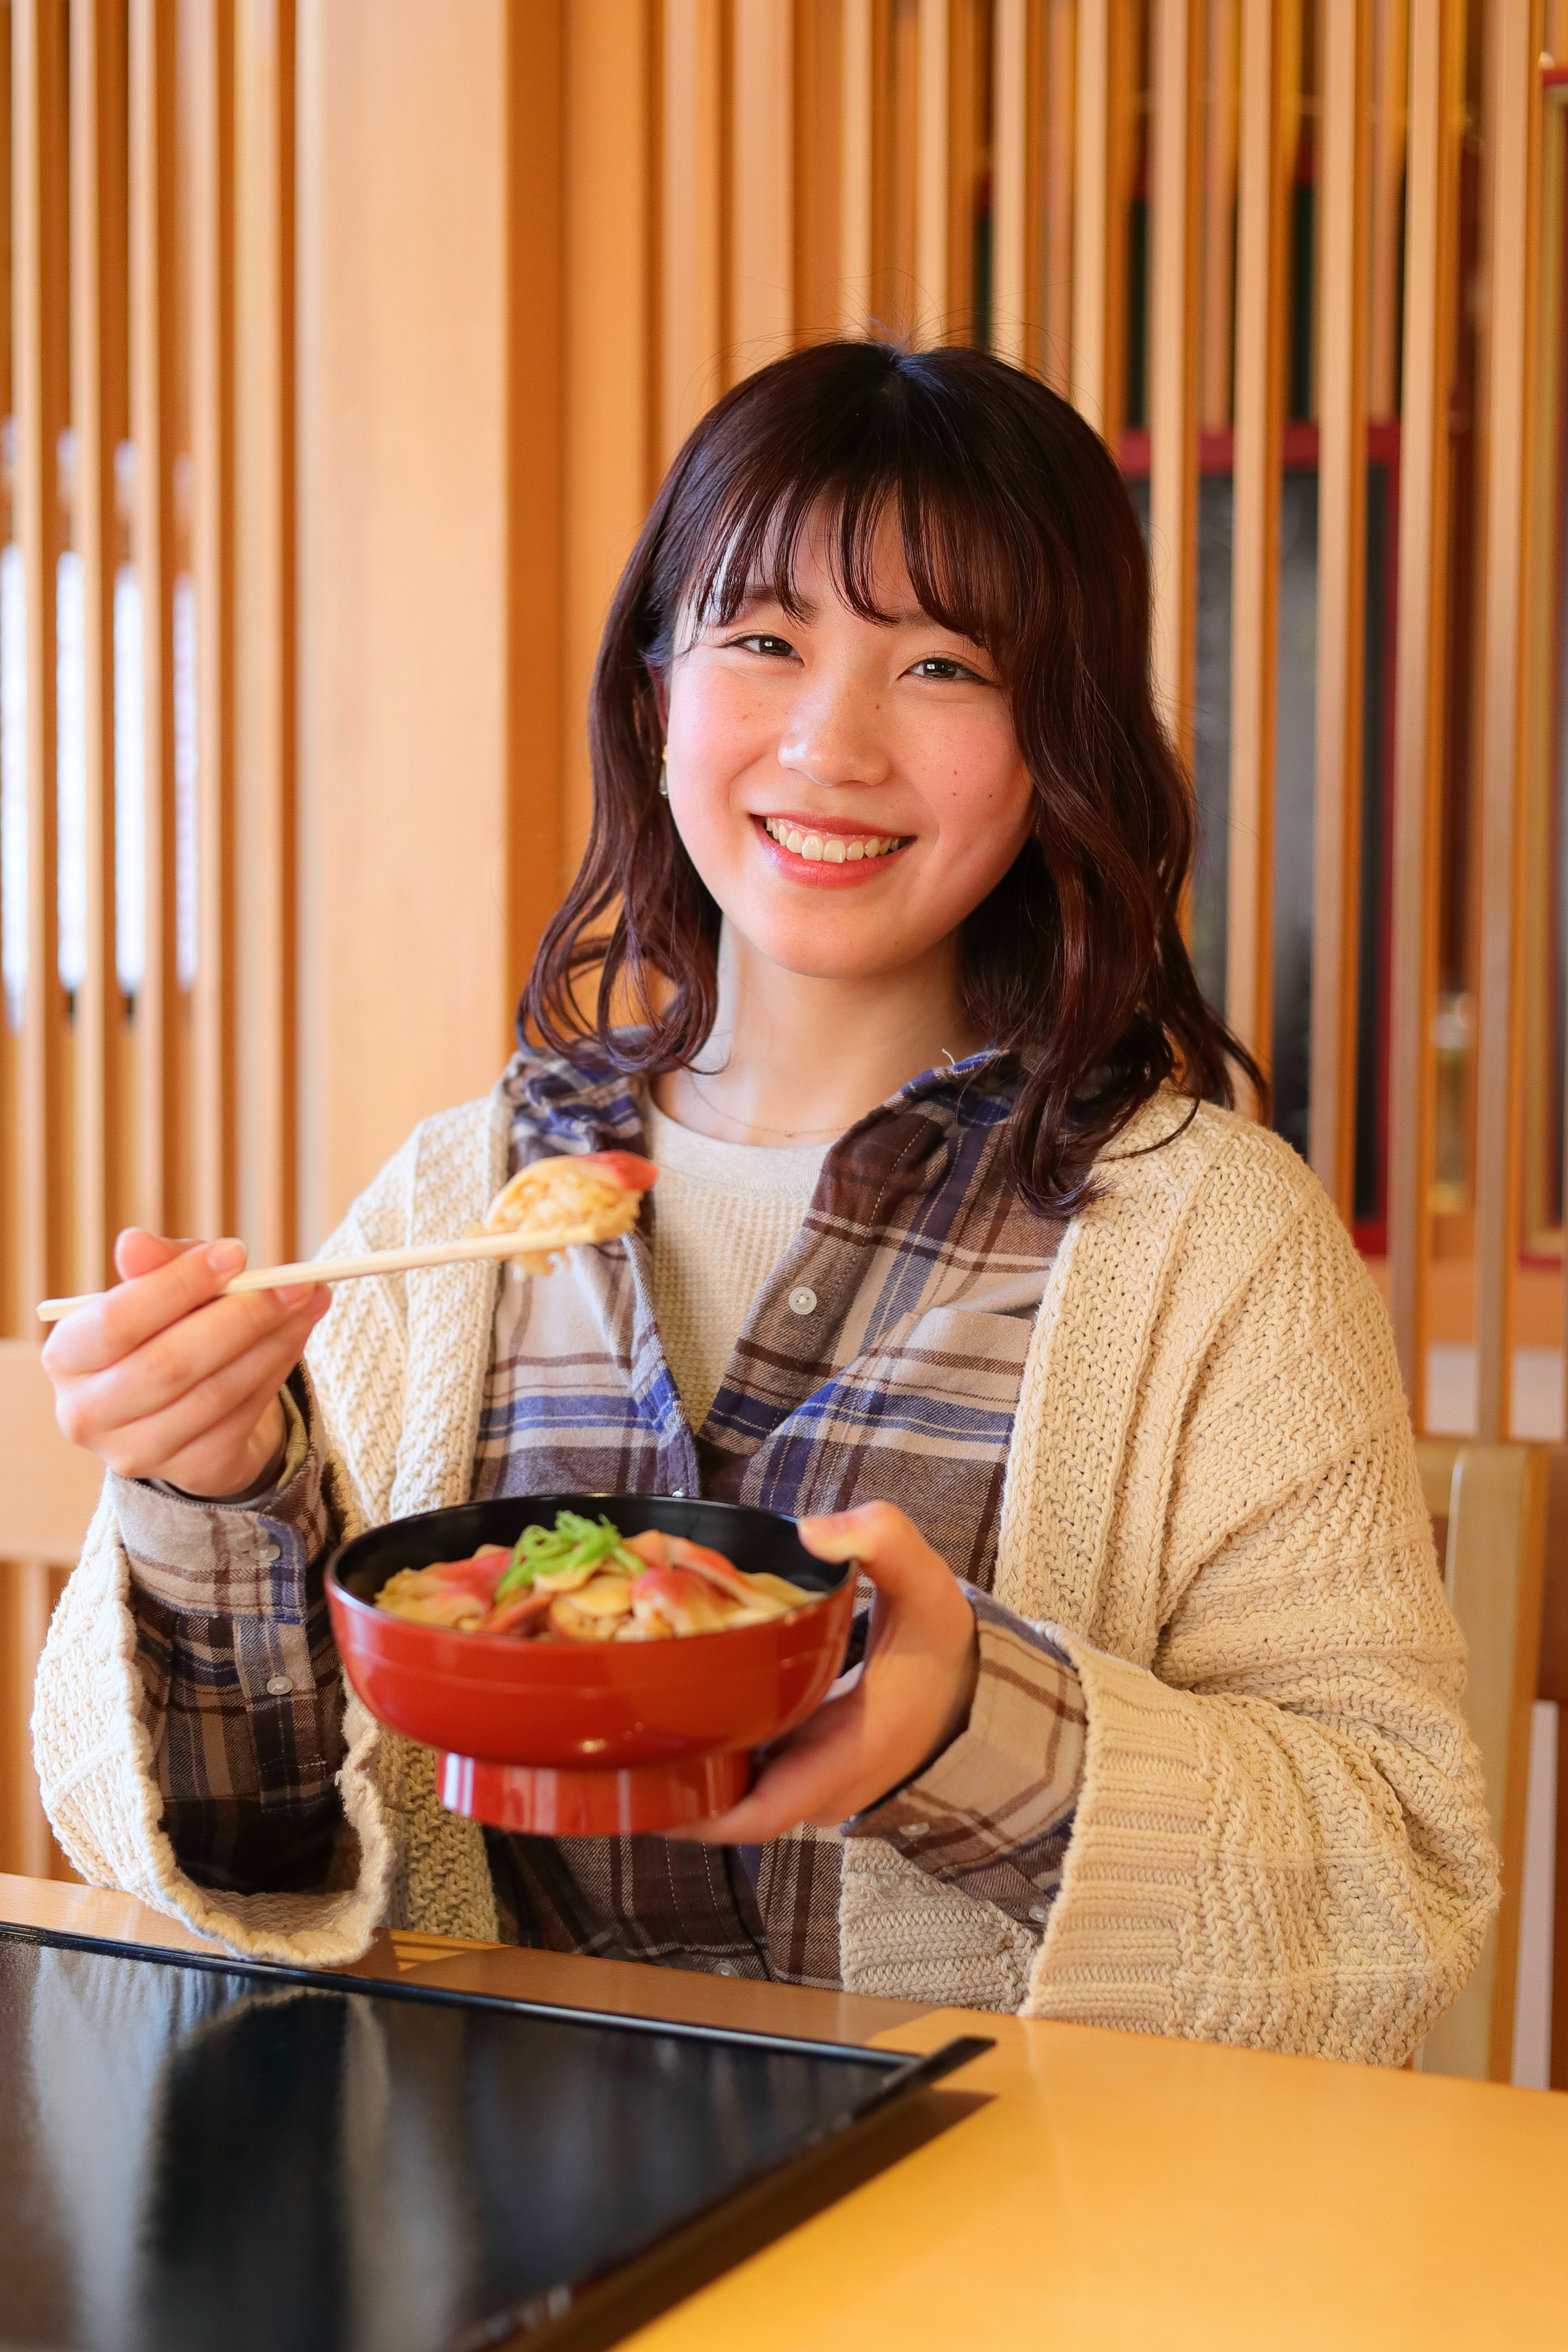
<point>911,1696</point>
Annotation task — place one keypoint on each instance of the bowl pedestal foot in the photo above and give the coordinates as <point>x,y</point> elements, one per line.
<point>583,1802</point>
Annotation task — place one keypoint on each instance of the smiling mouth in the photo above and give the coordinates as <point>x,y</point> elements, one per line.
<point>822,848</point>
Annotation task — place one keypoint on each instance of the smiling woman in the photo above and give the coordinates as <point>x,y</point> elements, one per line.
<point>957,1254</point>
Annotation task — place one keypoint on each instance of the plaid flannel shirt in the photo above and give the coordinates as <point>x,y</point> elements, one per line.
<point>880,1361</point>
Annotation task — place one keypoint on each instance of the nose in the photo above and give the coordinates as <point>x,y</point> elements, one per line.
<point>837,734</point>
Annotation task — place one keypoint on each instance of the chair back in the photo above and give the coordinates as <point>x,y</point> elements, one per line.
<point>49,1489</point>
<point>1488,1508</point>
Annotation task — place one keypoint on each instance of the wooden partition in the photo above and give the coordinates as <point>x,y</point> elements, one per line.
<point>345,342</point>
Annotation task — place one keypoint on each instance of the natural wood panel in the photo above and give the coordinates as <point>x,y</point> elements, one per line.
<point>1176,185</point>
<point>403,820</point>
<point>761,195</point>
<point>608,450</point>
<point>817,67</point>
<point>1058,179</point>
<point>932,306</point>
<point>692,328</point>
<point>1436,64</point>
<point>536,398</point>
<point>1010,277</point>
<point>1223,110</point>
<point>207,30</point>
<point>1511,642</point>
<point>1099,304</point>
<point>262,745</point>
<point>1341,576</point>
<point>1391,68</point>
<point>858,165</point>
<point>152,369</point>
<point>39,219</point>
<point>1269,67</point>
<point>99,422</point>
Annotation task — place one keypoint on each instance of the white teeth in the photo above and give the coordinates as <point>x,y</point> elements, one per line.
<point>829,850</point>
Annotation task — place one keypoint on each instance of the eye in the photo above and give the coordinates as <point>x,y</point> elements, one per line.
<point>944,668</point>
<point>771,649</point>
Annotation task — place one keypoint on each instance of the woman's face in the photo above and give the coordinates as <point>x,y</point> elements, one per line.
<point>848,790</point>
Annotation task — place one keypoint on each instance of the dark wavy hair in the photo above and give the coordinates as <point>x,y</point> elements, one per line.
<point>1018,533</point>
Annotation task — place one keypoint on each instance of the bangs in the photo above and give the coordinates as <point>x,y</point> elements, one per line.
<point>766,485</point>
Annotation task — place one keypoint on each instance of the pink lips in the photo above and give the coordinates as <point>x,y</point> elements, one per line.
<point>819,875</point>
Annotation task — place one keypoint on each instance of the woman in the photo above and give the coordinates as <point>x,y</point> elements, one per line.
<point>951,1253</point>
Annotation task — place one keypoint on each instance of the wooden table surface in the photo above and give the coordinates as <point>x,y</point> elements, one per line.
<point>1101,2190</point>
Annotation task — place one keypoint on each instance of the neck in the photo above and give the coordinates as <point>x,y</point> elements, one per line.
<point>794,1059</point>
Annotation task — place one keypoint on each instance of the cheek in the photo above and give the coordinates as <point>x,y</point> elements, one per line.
<point>977,786</point>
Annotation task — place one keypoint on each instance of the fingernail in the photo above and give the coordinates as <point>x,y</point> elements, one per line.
<point>294,1295</point>
<point>226,1257</point>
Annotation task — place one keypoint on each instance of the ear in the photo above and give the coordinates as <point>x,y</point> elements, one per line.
<point>661,700</point>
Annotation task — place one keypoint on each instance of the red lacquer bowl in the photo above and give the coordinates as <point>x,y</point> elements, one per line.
<point>589,1738</point>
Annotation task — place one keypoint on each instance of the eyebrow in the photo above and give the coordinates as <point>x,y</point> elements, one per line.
<point>913,616</point>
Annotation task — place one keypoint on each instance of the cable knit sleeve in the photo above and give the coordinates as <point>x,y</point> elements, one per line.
<point>1281,1838</point>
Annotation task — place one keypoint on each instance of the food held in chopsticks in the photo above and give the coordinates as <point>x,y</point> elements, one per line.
<point>581,1581</point>
<point>585,1197</point>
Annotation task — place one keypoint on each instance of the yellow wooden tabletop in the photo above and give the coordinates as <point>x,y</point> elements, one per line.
<point>1093,2189</point>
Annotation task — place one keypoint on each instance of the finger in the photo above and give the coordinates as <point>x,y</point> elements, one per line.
<point>178,1359</point>
<point>226,1461</point>
<point>812,1776</point>
<point>887,1546</point>
<point>135,1448</point>
<point>122,1319</point>
<point>138,1252</point>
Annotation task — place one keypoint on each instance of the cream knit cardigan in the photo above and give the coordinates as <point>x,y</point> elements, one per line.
<point>1212,1497</point>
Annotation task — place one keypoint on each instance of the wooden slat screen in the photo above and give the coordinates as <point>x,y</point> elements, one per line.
<point>1265,244</point>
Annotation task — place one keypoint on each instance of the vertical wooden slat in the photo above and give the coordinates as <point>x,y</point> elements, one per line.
<point>609,394</point>
<point>762,192</point>
<point>1513,142</point>
<point>39,217</point>
<point>208,26</point>
<point>1436,69</point>
<point>536,307</point>
<point>857,165</point>
<point>1391,72</point>
<point>1099,240</point>
<point>1059,176</point>
<point>151,179</point>
<point>262,814</point>
<point>1174,361</point>
<point>1010,303</point>
<point>1268,60</point>
<point>691,295</point>
<point>1219,215</point>
<point>932,302</point>
<point>816,67</point>
<point>1342,272</point>
<point>97,368</point>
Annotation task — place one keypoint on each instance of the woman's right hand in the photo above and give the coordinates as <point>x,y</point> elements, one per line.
<point>163,1379</point>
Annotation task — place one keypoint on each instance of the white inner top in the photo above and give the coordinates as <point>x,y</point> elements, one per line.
<point>725,1215</point>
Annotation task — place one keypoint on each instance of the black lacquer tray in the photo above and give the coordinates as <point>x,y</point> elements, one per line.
<point>196,2154</point>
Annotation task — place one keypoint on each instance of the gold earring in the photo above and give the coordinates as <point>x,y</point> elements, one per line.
<point>664,773</point>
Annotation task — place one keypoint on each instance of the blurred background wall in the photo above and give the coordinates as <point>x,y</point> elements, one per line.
<point>344,342</point>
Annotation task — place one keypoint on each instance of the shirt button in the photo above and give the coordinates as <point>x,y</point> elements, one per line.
<point>916,1828</point>
<point>1039,1910</point>
<point>803,1301</point>
<point>271,1551</point>
<point>726,1968</point>
<point>280,1686</point>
